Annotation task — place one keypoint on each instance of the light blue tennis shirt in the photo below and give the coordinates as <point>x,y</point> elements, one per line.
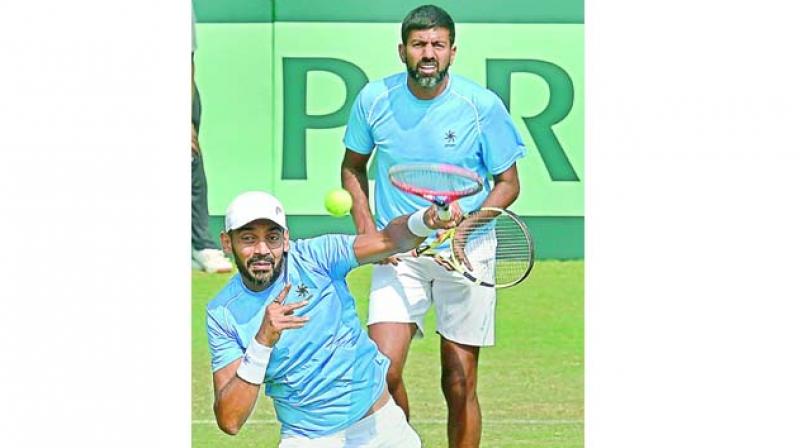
<point>466,125</point>
<point>322,377</point>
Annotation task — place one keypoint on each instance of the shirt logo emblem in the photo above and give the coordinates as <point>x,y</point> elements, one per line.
<point>450,138</point>
<point>302,291</point>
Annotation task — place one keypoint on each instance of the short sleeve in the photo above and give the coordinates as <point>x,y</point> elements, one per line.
<point>501,143</point>
<point>223,345</point>
<point>334,253</point>
<point>358,136</point>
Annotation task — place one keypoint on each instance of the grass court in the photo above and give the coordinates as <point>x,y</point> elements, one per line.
<point>530,384</point>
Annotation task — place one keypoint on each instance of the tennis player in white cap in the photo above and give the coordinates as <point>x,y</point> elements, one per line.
<point>287,322</point>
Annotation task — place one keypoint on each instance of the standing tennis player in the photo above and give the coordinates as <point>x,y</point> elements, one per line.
<point>288,322</point>
<point>426,114</point>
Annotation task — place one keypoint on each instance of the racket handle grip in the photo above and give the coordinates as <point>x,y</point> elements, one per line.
<point>443,212</point>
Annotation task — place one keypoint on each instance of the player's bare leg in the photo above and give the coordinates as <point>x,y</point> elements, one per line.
<point>393,339</point>
<point>460,384</point>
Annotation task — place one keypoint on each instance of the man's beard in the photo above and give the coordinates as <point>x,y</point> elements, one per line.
<point>260,278</point>
<point>427,82</point>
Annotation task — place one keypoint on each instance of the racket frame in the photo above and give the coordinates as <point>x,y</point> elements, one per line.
<point>441,198</point>
<point>452,260</point>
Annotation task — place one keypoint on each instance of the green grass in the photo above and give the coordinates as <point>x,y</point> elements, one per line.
<point>530,384</point>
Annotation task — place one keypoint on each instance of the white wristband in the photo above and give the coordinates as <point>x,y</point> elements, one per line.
<point>253,368</point>
<point>416,223</point>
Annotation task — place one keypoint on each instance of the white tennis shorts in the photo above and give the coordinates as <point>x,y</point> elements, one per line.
<point>465,312</point>
<point>386,428</point>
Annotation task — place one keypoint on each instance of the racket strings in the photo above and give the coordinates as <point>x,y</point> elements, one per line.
<point>436,181</point>
<point>499,237</point>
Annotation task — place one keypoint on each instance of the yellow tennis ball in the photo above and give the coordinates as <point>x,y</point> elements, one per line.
<point>338,202</point>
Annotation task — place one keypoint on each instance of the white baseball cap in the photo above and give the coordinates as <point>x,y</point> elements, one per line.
<point>252,205</point>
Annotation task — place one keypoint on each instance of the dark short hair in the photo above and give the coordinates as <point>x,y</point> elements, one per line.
<point>426,17</point>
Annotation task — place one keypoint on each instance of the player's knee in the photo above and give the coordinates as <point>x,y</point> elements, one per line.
<point>394,377</point>
<point>457,385</point>
<point>230,429</point>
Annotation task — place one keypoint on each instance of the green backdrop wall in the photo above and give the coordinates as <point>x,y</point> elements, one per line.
<point>277,79</point>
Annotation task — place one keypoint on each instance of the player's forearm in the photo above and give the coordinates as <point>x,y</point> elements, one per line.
<point>505,190</point>
<point>234,403</point>
<point>355,181</point>
<point>393,239</point>
<point>400,235</point>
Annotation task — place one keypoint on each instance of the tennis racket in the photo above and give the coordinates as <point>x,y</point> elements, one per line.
<point>439,183</point>
<point>491,247</point>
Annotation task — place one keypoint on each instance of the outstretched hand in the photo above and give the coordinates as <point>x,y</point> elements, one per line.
<point>279,317</point>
